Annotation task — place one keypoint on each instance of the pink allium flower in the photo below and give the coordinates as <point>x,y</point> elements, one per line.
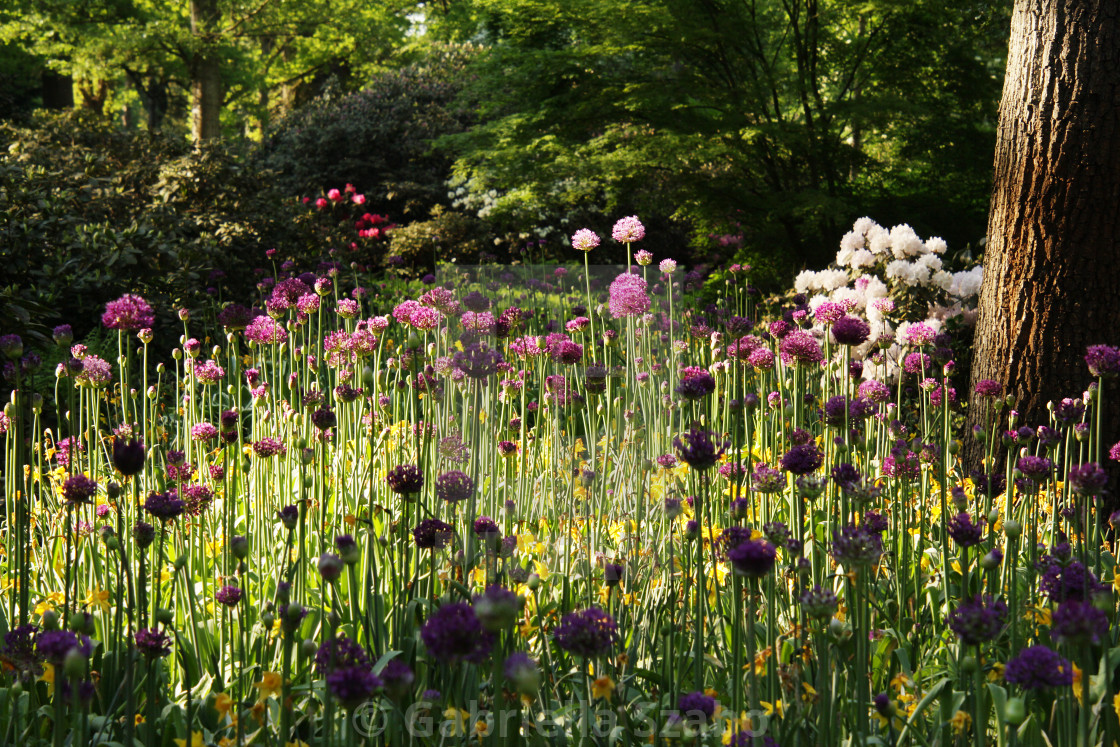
<point>128,313</point>
<point>204,432</point>
<point>209,372</point>
<point>642,257</point>
<point>308,303</point>
<point>347,309</point>
<point>265,329</point>
<point>578,324</point>
<point>424,317</point>
<point>403,311</point>
<point>95,372</point>
<point>800,347</point>
<point>668,266</point>
<point>920,334</point>
<point>585,240</point>
<point>629,296</point>
<point>628,230</point>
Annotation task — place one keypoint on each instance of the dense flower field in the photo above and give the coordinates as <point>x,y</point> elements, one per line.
<point>554,505</point>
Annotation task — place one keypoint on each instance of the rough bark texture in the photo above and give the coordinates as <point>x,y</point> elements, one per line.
<point>1052,265</point>
<point>206,73</point>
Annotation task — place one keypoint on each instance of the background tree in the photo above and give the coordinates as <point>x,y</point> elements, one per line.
<point>773,121</point>
<point>1052,264</point>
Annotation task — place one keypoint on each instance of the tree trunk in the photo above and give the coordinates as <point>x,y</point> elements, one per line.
<point>206,73</point>
<point>1052,264</point>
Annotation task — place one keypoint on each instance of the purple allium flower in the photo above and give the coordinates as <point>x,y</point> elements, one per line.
<point>95,373</point>
<point>588,633</point>
<point>397,678</point>
<point>486,528</point>
<point>63,335</point>
<point>1103,360</point>
<point>752,558</point>
<point>978,620</point>
<point>496,608</point>
<point>697,449</point>
<point>761,359</point>
<point>454,486</point>
<point>802,459</point>
<point>917,363</point>
<point>324,419</point>
<point>79,489</point>
<point>523,671</point>
<point>128,313</point>
<point>697,704</point>
<point>455,633</point>
<point>856,546</point>
<point>963,531</point>
<point>585,240</point>
<point>767,480</point>
<point>266,330</point>
<point>667,461</point>
<point>693,388</point>
<point>228,596</point>
<point>1063,580</point>
<point>846,476</point>
<point>405,479</point>
<point>568,353</point>
<point>143,534</point>
<point>920,334</point>
<point>153,643</point>
<point>196,499</point>
<point>478,361</point>
<point>1038,667</point>
<point>1088,479</point>
<point>988,388</point>
<point>748,738</point>
<point>1078,623</point>
<point>902,463</point>
<point>876,391</point>
<point>628,296</point>
<point>800,348</point>
<point>19,652</point>
<point>204,432</point>
<point>208,372</point>
<point>339,652</point>
<point>128,456</point>
<point>1036,469</point>
<point>330,567</point>
<point>54,645</point>
<point>288,516</point>
<point>850,330</point>
<point>818,603</point>
<point>353,686</point>
<point>269,447</point>
<point>432,534</point>
<point>628,230</point>
<point>163,506</point>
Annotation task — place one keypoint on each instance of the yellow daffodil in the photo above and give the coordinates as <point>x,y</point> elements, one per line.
<point>961,723</point>
<point>996,673</point>
<point>602,688</point>
<point>222,703</point>
<point>270,684</point>
<point>98,598</point>
<point>48,677</point>
<point>772,709</point>
<point>196,740</point>
<point>457,718</point>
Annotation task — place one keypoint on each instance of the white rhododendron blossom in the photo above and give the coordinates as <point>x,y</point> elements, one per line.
<point>874,267</point>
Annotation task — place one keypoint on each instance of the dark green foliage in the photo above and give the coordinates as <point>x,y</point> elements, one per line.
<point>378,139</point>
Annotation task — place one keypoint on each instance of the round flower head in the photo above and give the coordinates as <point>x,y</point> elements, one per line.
<point>963,531</point>
<point>1038,667</point>
<point>978,620</point>
<point>1035,469</point>
<point>850,330</point>
<point>266,330</point>
<point>800,348</point>
<point>432,534</point>
<point>588,633</point>
<point>698,705</point>
<point>455,633</point>
<point>339,652</point>
<point>697,449</point>
<point>819,603</point>
<point>802,459</point>
<point>523,672</point>
<point>988,388</point>
<point>629,296</point>
<point>152,643</point>
<point>353,686</point>
<point>228,596</point>
<point>1078,623</point>
<point>1103,360</point>
<point>643,258</point>
<point>54,645</point>
<point>856,546</point>
<point>752,558</point>
<point>667,266</point>
<point>129,313</point>
<point>585,240</point>
<point>79,489</point>
<point>405,479</point>
<point>628,230</point>
<point>454,486</point>
<point>1088,479</point>
<point>497,608</point>
<point>398,678</point>
<point>163,506</point>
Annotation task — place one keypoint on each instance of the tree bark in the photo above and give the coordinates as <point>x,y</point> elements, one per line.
<point>1052,263</point>
<point>206,72</point>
